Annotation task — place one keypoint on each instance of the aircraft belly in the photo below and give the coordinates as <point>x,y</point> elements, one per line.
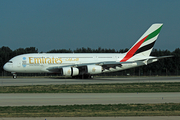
<point>32,69</point>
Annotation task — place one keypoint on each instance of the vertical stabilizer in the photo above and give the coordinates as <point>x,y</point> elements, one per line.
<point>144,45</point>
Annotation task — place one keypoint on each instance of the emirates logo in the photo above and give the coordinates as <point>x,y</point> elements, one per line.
<point>69,71</point>
<point>94,69</point>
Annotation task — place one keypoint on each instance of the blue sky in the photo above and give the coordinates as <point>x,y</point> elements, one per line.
<point>71,24</point>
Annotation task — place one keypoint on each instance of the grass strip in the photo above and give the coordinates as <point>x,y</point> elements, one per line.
<point>97,110</point>
<point>95,88</point>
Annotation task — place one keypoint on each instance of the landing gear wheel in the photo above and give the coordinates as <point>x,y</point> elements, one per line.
<point>84,76</point>
<point>88,76</point>
<point>14,76</point>
<point>91,77</point>
<point>74,77</point>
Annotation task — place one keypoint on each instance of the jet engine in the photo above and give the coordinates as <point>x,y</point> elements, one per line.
<point>94,69</point>
<point>70,71</point>
<point>89,69</point>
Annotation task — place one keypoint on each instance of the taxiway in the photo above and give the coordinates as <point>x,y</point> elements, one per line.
<point>49,81</point>
<point>39,99</point>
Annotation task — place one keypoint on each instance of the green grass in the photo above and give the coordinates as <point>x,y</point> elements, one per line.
<point>166,109</point>
<point>94,88</point>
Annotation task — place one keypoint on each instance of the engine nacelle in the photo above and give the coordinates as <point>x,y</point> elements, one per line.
<point>70,71</point>
<point>94,69</point>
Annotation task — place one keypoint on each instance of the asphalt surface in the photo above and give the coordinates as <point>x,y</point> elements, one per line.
<point>39,99</point>
<point>49,81</point>
<point>87,98</point>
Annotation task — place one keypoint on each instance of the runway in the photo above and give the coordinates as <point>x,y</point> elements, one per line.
<point>40,99</point>
<point>49,81</point>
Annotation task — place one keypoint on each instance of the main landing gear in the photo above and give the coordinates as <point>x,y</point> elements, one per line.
<point>85,76</point>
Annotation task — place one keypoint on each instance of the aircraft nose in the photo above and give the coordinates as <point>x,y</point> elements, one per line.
<point>7,67</point>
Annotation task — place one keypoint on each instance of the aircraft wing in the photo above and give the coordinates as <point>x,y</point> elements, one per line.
<point>153,59</point>
<point>103,64</point>
<point>107,64</point>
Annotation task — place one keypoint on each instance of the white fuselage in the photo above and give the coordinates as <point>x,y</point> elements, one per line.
<point>40,62</point>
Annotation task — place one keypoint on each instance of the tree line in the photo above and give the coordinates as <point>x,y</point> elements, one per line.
<point>167,66</point>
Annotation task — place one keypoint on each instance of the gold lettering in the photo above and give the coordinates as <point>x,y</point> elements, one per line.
<point>60,60</point>
<point>45,60</point>
<point>56,60</point>
<point>30,58</point>
<point>70,59</point>
<point>53,60</point>
<point>37,60</point>
<point>42,60</point>
<point>49,61</point>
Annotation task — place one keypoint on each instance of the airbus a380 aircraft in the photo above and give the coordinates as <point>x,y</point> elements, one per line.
<point>87,64</point>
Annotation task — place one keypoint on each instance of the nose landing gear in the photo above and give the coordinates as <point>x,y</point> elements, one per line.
<point>14,75</point>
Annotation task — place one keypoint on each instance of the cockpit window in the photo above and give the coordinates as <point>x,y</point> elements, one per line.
<point>10,62</point>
